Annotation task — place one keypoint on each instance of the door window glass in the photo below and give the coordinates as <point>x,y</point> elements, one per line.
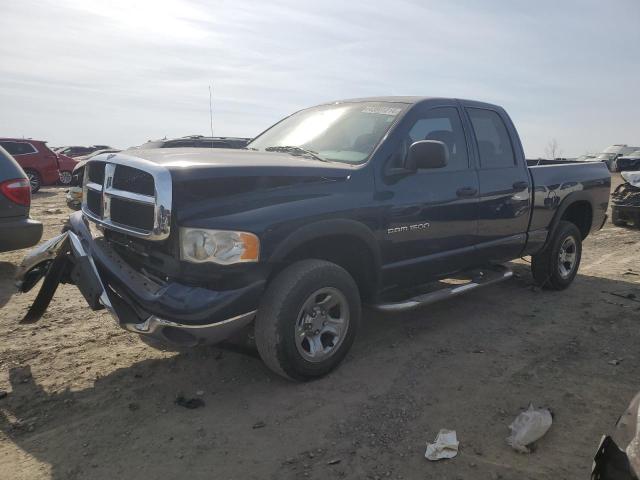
<point>442,124</point>
<point>493,139</point>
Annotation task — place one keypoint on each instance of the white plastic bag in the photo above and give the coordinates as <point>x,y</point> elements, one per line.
<point>528,427</point>
<point>445,446</point>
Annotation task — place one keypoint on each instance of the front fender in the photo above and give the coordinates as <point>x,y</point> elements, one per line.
<point>327,228</point>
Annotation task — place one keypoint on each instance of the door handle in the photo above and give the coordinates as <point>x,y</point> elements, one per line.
<point>519,186</point>
<point>466,192</point>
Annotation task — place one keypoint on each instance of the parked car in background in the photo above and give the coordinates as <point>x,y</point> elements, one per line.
<point>17,230</point>
<point>37,160</point>
<point>630,161</point>
<point>197,141</point>
<point>625,201</point>
<point>77,151</point>
<point>97,152</point>
<point>611,154</point>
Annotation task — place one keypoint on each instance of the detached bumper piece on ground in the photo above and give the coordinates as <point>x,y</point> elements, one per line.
<point>138,304</point>
<point>625,201</point>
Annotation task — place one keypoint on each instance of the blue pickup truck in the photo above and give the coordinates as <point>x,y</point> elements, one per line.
<point>382,201</point>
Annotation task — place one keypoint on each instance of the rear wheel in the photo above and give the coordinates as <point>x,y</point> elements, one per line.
<point>65,177</point>
<point>34,180</point>
<point>557,265</point>
<point>308,319</point>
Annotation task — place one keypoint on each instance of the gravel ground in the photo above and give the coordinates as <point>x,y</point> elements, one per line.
<point>88,400</point>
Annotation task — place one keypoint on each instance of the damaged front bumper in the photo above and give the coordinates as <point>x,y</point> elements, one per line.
<point>625,200</point>
<point>170,313</point>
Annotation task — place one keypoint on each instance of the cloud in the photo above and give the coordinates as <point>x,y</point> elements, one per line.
<point>121,72</point>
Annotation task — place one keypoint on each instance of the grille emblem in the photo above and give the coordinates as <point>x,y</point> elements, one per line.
<point>109,172</point>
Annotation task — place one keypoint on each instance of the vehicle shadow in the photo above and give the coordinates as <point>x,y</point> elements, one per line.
<point>7,289</point>
<point>127,425</point>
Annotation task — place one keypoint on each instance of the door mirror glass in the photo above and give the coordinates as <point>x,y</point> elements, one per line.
<point>427,154</point>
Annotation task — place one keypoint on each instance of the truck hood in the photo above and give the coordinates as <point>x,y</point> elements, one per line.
<point>176,159</point>
<point>201,175</point>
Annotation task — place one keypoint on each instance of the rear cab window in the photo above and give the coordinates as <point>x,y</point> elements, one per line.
<point>494,142</point>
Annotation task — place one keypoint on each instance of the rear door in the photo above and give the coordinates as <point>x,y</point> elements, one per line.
<point>505,195</point>
<point>430,226</point>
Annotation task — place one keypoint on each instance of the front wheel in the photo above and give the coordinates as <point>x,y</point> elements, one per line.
<point>65,177</point>
<point>557,265</point>
<point>308,319</point>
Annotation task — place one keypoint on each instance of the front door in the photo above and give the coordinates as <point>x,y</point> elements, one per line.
<point>430,225</point>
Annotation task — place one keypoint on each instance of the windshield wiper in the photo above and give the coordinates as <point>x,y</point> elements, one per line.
<point>295,151</point>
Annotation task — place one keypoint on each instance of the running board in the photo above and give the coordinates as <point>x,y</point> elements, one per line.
<point>478,278</point>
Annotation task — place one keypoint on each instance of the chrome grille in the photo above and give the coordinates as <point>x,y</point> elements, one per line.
<point>128,195</point>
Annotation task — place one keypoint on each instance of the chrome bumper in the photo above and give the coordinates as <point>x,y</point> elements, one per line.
<point>176,334</point>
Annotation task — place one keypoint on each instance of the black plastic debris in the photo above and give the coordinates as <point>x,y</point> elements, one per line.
<point>190,403</point>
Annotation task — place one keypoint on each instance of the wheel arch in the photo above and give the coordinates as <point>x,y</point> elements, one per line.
<point>347,243</point>
<point>576,208</point>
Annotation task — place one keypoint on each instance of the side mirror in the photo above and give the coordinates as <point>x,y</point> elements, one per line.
<point>427,154</point>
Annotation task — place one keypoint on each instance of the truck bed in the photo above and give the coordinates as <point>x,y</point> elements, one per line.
<point>555,180</point>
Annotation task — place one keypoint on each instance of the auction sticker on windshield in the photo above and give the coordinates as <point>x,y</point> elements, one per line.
<point>382,110</point>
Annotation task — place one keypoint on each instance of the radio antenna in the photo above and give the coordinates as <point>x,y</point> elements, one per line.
<point>211,113</point>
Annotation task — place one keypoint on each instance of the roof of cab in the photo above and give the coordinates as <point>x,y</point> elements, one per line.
<point>396,99</point>
<point>412,100</point>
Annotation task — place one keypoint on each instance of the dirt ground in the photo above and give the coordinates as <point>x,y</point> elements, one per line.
<point>88,400</point>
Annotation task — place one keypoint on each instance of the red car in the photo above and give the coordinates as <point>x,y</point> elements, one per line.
<point>39,162</point>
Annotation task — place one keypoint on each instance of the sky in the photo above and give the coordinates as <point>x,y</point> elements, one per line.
<point>122,72</point>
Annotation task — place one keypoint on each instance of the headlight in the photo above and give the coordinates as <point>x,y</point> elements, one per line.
<point>218,246</point>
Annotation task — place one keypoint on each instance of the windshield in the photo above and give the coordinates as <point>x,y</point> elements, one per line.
<point>341,132</point>
<point>606,156</point>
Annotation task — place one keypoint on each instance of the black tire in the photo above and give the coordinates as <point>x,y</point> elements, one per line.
<point>280,311</point>
<point>66,177</point>
<point>548,269</point>
<point>34,180</point>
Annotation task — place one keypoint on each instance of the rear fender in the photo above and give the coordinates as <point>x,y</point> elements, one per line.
<point>562,208</point>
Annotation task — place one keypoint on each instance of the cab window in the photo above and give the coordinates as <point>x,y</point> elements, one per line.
<point>441,124</point>
<point>494,143</point>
